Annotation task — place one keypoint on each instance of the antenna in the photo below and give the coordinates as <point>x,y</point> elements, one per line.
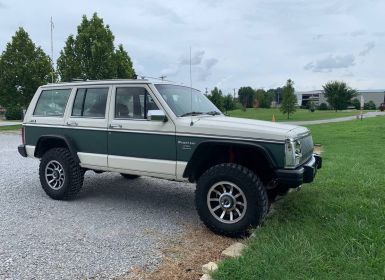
<point>53,64</point>
<point>191,98</point>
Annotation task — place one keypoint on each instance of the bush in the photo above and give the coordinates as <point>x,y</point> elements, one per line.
<point>14,113</point>
<point>323,106</point>
<point>370,105</point>
<point>356,103</point>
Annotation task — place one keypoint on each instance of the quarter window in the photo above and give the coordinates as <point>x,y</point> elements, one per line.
<point>52,103</point>
<point>90,103</point>
<point>133,103</point>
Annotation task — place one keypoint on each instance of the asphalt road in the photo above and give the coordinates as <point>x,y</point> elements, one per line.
<point>113,225</point>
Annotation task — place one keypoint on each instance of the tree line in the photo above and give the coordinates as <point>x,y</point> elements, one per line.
<point>256,98</point>
<point>91,54</point>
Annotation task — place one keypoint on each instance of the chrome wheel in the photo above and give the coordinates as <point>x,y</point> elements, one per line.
<point>226,202</point>
<point>54,175</point>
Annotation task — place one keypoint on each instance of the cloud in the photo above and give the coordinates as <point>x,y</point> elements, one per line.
<point>368,47</point>
<point>357,33</point>
<point>196,58</point>
<point>379,34</point>
<point>204,71</point>
<point>2,6</point>
<point>159,10</point>
<point>201,67</point>
<point>331,62</point>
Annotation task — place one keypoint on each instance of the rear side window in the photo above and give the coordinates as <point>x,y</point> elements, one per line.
<point>52,103</point>
<point>90,103</point>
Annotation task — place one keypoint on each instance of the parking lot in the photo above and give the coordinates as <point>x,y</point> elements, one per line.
<point>112,226</point>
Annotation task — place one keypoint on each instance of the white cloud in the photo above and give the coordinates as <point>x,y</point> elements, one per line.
<point>368,47</point>
<point>331,62</point>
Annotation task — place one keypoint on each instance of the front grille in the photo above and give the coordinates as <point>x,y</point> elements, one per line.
<point>306,147</point>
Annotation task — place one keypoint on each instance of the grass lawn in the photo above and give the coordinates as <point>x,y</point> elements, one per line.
<point>299,115</point>
<point>10,127</point>
<point>333,228</point>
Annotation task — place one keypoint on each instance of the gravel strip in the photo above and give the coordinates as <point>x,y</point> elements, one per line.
<point>113,225</point>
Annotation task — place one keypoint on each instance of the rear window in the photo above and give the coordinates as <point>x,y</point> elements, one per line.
<point>52,103</point>
<point>90,103</point>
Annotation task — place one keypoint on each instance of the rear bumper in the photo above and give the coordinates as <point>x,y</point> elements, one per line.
<point>22,150</point>
<point>306,173</point>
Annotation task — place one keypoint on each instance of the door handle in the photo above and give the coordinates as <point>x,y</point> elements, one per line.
<point>115,126</point>
<point>72,123</point>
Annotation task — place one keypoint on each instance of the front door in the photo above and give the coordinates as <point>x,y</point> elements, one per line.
<point>137,145</point>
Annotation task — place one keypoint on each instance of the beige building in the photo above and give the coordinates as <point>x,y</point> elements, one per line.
<point>375,95</point>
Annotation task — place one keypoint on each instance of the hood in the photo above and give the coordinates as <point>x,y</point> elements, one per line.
<point>239,127</point>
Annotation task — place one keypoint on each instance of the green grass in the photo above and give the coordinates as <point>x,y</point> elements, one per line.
<point>299,115</point>
<point>333,228</point>
<point>10,127</point>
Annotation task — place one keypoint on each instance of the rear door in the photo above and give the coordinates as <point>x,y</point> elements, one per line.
<point>137,145</point>
<point>86,124</point>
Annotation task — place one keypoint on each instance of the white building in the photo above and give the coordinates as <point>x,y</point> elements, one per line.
<point>375,95</point>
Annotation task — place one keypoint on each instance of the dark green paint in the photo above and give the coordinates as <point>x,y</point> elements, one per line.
<point>83,140</point>
<point>144,145</point>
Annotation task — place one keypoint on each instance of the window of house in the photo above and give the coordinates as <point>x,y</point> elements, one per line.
<point>133,103</point>
<point>90,103</point>
<point>52,103</point>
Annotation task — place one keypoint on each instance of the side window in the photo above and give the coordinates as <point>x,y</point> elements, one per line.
<point>90,103</point>
<point>133,103</point>
<point>52,103</point>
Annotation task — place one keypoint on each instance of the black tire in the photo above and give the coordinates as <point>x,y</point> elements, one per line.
<point>129,176</point>
<point>73,174</point>
<point>245,180</point>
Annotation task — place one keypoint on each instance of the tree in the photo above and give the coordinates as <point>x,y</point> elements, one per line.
<point>216,97</point>
<point>264,98</point>
<point>289,99</point>
<point>228,103</point>
<point>246,97</point>
<point>338,94</point>
<point>356,103</point>
<point>276,93</point>
<point>92,55</point>
<point>23,68</point>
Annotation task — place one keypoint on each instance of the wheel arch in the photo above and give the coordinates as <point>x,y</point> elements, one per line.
<point>225,150</point>
<point>47,142</point>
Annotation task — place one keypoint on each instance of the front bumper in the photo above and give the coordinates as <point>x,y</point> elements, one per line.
<point>293,178</point>
<point>22,150</point>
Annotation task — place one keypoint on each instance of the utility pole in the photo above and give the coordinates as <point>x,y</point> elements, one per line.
<point>53,63</point>
<point>234,93</point>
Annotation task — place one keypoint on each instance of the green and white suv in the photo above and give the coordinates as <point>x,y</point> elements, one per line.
<point>140,128</point>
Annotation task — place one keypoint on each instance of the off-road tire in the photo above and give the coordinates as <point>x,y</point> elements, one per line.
<point>74,174</point>
<point>248,182</point>
<point>129,176</point>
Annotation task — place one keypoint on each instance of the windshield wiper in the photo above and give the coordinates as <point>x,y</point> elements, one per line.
<point>191,114</point>
<point>213,113</point>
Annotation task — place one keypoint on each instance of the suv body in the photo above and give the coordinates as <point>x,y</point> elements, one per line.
<point>136,127</point>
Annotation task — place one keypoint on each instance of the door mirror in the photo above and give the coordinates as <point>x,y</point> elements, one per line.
<point>156,115</point>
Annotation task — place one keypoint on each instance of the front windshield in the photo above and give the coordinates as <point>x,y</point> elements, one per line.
<point>179,100</point>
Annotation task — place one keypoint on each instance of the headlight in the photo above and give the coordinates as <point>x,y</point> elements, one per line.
<point>293,153</point>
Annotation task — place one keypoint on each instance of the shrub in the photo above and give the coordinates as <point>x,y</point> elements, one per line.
<point>323,106</point>
<point>356,103</point>
<point>370,105</point>
<point>14,113</point>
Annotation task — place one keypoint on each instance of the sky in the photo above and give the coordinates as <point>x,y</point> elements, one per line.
<point>259,43</point>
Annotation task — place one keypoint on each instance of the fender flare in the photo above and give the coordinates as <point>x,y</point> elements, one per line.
<point>66,140</point>
<point>194,160</point>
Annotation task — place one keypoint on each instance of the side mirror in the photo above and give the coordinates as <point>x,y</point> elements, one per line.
<point>156,115</point>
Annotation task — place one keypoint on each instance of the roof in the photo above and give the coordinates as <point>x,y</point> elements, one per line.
<point>98,82</point>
